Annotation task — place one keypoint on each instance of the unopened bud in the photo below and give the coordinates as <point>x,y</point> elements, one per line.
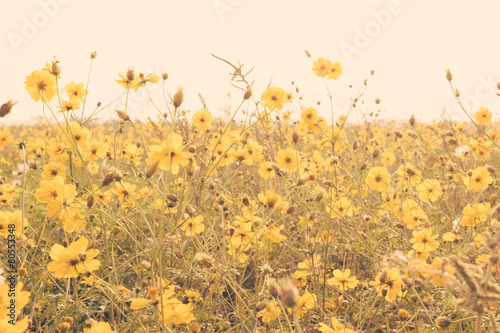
<point>6,108</point>
<point>449,77</point>
<point>178,98</point>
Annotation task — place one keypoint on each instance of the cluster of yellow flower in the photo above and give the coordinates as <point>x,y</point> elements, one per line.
<point>262,224</point>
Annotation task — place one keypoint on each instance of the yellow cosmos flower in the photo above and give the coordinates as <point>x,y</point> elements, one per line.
<point>169,153</point>
<point>76,92</point>
<point>273,98</point>
<point>287,159</point>
<point>423,241</point>
<point>342,279</point>
<point>41,85</point>
<point>477,179</point>
<point>100,327</point>
<point>388,283</point>
<point>483,116</point>
<point>429,189</point>
<point>69,262</point>
<point>202,119</point>
<point>378,178</point>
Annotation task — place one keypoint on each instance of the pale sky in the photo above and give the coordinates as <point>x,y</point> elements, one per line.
<point>408,43</point>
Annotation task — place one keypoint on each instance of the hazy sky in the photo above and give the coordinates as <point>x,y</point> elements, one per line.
<point>409,44</point>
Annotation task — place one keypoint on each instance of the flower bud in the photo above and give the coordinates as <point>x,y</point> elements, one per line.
<point>178,98</point>
<point>6,108</point>
<point>248,93</point>
<point>122,115</point>
<point>449,77</point>
<point>289,294</point>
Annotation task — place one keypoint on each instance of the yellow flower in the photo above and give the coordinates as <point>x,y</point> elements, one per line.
<point>338,327</point>
<point>193,225</point>
<point>429,189</point>
<point>73,260</point>
<point>388,283</point>
<point>169,154</point>
<point>334,70</point>
<point>76,92</point>
<point>378,178</point>
<point>202,119</point>
<point>388,158</point>
<point>342,279</point>
<point>273,98</point>
<point>321,67</point>
<point>266,170</point>
<point>178,313</point>
<point>100,327</point>
<point>483,116</point>
<point>270,312</point>
<point>342,207</point>
<point>479,180</point>
<point>476,213</point>
<point>41,85</point>
<point>449,237</point>
<point>287,159</point>
<point>423,241</point>
<point>309,116</point>
<point>270,199</point>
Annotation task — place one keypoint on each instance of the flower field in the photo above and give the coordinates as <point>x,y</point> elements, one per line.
<point>277,219</point>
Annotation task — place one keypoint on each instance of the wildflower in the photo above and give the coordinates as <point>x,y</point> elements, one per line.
<point>378,178</point>
<point>270,199</point>
<point>273,98</point>
<point>478,212</point>
<point>70,105</point>
<point>74,260</point>
<point>287,159</point>
<point>169,154</point>
<point>423,241</point>
<point>266,170</point>
<point>342,279</point>
<point>178,313</point>
<point>321,67</point>
<point>309,116</point>
<point>153,78</point>
<point>193,225</point>
<point>202,119</point>
<point>337,327</point>
<point>125,192</point>
<point>305,303</point>
<point>429,189</point>
<point>483,116</point>
<point>129,80</point>
<point>76,92</point>
<point>342,207</point>
<point>270,312</point>
<point>388,283</point>
<point>100,327</point>
<point>41,85</point>
<point>478,180</point>
<point>334,71</point>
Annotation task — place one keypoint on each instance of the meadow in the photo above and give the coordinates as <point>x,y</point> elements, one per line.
<point>276,220</point>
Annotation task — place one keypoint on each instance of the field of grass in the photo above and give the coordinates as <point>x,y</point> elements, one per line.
<point>263,223</point>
